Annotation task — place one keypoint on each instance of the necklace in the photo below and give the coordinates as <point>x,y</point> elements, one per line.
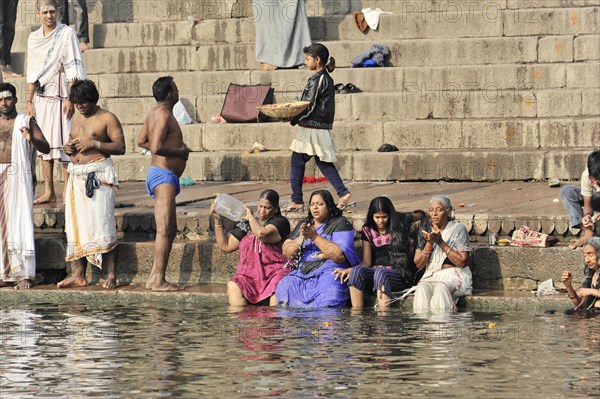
<point>6,128</point>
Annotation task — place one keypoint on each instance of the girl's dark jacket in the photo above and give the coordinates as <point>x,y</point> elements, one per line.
<point>320,91</point>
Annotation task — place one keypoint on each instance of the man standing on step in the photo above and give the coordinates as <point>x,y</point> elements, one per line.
<point>8,19</point>
<point>582,201</point>
<point>54,62</point>
<point>96,134</point>
<point>81,20</point>
<point>20,137</point>
<point>162,136</point>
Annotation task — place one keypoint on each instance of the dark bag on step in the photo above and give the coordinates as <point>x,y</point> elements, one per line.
<point>241,102</point>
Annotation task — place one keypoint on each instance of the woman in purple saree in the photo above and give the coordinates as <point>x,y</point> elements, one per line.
<point>322,242</point>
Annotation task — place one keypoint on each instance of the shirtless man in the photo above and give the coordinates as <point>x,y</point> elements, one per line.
<point>162,136</point>
<point>96,134</point>
<point>19,137</point>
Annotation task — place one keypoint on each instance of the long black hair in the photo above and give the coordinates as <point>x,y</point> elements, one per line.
<point>333,210</point>
<point>273,197</point>
<point>398,227</point>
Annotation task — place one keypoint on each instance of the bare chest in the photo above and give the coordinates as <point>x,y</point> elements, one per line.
<point>87,129</point>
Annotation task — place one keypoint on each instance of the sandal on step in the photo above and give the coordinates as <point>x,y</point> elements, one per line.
<point>341,206</point>
<point>289,208</point>
<point>350,88</point>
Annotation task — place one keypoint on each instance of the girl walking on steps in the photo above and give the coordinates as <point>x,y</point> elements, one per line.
<point>314,135</point>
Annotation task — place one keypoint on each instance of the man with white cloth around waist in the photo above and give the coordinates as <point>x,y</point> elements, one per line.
<point>96,134</point>
<point>20,137</point>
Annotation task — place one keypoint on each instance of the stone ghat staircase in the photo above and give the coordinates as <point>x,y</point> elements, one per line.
<point>474,91</point>
<point>494,90</point>
<point>483,208</point>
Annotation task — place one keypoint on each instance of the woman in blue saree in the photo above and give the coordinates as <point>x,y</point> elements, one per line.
<point>322,242</point>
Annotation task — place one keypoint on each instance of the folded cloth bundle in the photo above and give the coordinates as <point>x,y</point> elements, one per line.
<point>375,56</point>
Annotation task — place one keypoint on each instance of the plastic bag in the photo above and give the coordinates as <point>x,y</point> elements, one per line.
<point>546,288</point>
<point>181,114</point>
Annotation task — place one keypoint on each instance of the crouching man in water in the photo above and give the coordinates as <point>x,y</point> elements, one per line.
<point>96,134</point>
<point>162,136</point>
<point>20,137</point>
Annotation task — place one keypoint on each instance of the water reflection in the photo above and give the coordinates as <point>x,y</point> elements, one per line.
<point>187,351</point>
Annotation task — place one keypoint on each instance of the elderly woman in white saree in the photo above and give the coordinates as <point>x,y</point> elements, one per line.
<point>443,250</point>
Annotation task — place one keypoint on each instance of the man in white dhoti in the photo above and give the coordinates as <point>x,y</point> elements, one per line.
<point>54,62</point>
<point>20,136</point>
<point>90,196</point>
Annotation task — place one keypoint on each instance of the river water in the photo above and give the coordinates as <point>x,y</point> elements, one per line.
<point>177,351</point>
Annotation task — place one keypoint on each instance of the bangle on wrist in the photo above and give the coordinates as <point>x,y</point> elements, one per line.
<point>29,101</point>
<point>573,297</point>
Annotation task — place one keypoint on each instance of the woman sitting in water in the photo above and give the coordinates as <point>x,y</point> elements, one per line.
<point>388,252</point>
<point>586,297</point>
<point>443,250</point>
<point>322,242</point>
<point>259,240</point>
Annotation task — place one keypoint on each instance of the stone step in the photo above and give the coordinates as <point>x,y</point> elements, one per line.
<point>483,207</point>
<point>449,24</point>
<point>509,268</point>
<point>194,222</point>
<point>215,295</point>
<point>467,7</point>
<point>420,103</point>
<point>137,11</point>
<point>519,134</point>
<point>426,79</point>
<point>415,165</point>
<point>406,53</point>
<point>107,11</point>
<point>405,165</point>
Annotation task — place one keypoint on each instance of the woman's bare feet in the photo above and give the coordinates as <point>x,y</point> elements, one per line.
<point>45,199</point>
<point>24,284</point>
<point>73,281</point>
<point>293,207</point>
<point>110,283</point>
<point>157,284</point>
<point>267,67</point>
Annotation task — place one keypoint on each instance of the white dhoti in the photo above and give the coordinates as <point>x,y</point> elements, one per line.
<point>48,56</point>
<point>90,222</point>
<point>17,244</point>
<point>53,122</point>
